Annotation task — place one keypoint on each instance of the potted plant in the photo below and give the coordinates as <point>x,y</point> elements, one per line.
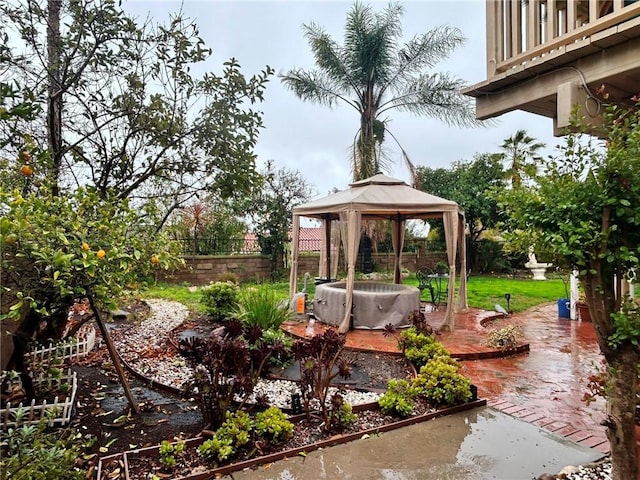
<point>583,308</point>
<point>442,267</point>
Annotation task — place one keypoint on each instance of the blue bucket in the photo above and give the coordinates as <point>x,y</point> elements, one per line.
<point>564,308</point>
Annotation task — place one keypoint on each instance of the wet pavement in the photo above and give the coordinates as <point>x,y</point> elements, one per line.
<point>483,443</point>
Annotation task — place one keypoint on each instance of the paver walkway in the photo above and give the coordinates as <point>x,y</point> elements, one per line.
<point>543,386</point>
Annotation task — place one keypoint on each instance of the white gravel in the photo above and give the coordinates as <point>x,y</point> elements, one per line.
<point>139,344</point>
<point>279,393</point>
<point>601,471</point>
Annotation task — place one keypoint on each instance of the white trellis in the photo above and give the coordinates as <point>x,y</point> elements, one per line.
<point>37,410</point>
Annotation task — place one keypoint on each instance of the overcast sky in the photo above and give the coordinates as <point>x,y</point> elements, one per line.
<point>314,139</point>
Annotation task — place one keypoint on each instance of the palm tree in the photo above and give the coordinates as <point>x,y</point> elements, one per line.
<point>373,73</point>
<point>521,153</point>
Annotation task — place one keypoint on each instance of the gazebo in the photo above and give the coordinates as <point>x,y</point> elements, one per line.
<point>383,198</point>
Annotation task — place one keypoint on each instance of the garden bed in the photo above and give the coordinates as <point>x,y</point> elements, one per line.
<point>140,463</point>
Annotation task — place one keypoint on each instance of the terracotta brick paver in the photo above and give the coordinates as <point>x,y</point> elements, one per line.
<point>543,385</point>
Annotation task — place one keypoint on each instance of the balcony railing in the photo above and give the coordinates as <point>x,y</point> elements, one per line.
<point>520,32</point>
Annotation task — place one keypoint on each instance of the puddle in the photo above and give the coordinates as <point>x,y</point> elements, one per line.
<point>182,412</point>
<point>479,444</point>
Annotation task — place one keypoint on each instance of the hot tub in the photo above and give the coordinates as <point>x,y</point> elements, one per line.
<point>375,304</point>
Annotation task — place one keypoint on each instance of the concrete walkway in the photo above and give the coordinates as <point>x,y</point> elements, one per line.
<point>476,445</point>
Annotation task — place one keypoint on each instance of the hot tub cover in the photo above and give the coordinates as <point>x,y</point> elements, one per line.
<point>375,305</point>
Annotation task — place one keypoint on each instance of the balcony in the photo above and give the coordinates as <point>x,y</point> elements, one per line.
<point>545,56</point>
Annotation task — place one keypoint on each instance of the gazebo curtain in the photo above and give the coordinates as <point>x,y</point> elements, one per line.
<point>295,235</point>
<point>462,247</point>
<point>350,219</point>
<point>334,248</point>
<point>397,238</point>
<point>451,234</point>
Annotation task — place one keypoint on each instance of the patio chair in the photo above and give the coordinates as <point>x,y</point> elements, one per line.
<point>425,282</point>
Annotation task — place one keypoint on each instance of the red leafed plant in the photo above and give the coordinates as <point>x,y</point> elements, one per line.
<point>227,364</point>
<point>321,359</point>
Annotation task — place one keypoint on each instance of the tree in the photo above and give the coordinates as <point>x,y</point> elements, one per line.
<point>272,211</point>
<point>125,113</point>
<point>372,73</point>
<point>58,249</point>
<point>209,227</point>
<point>468,183</point>
<point>521,155</point>
<point>585,207</point>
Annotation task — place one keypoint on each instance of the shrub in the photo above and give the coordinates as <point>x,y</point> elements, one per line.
<point>261,306</point>
<point>421,356</point>
<point>228,364</point>
<point>440,384</point>
<point>321,360</point>
<point>273,425</point>
<point>419,326</point>
<point>237,427</point>
<point>419,348</point>
<point>217,448</point>
<point>220,299</point>
<point>341,412</point>
<point>505,337</point>
<point>168,452</point>
<point>398,399</point>
<point>229,277</point>
<point>233,433</point>
<point>412,337</point>
<point>30,451</point>
<point>277,336</point>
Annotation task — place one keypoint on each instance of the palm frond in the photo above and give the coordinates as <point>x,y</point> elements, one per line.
<point>314,86</point>
<point>328,56</point>
<point>413,172</point>
<point>370,42</point>
<point>437,96</point>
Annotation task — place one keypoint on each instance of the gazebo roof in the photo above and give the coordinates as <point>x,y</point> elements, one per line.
<point>379,196</point>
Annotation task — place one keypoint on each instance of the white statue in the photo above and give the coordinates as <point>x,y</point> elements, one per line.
<point>537,269</point>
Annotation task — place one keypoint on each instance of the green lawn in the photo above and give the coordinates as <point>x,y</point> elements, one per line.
<point>482,292</point>
<point>485,292</point>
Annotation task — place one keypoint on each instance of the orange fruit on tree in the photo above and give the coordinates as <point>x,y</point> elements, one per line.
<point>155,259</point>
<point>85,246</point>
<point>101,253</point>
<point>26,170</point>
